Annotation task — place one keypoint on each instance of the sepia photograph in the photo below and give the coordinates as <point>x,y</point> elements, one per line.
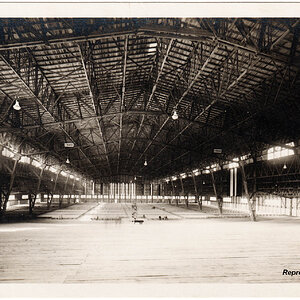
<point>149,156</point>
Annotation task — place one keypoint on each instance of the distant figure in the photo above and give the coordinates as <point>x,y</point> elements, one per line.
<point>134,215</point>
<point>159,218</point>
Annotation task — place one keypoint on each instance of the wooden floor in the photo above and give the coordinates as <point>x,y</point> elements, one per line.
<point>185,248</point>
<point>151,211</point>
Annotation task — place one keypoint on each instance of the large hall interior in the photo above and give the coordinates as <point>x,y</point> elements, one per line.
<point>149,150</point>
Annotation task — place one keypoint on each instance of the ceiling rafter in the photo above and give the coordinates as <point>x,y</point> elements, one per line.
<point>122,104</point>
<point>179,101</point>
<point>94,104</point>
<point>153,91</point>
<point>254,72</point>
<point>40,103</point>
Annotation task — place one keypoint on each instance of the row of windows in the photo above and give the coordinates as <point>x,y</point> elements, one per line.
<point>272,153</point>
<point>278,152</point>
<point>34,162</point>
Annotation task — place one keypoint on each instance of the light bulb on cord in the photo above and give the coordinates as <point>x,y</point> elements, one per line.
<point>174,115</point>
<point>17,105</point>
<point>284,166</point>
<point>67,161</point>
<point>145,163</point>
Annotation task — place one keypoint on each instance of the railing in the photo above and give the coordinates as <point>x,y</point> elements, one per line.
<point>264,205</point>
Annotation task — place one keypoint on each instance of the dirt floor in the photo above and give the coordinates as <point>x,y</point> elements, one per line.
<point>99,243</point>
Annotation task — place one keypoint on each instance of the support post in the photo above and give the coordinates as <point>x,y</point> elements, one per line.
<point>32,202</point>
<point>254,185</point>
<point>60,200</point>
<point>200,194</point>
<point>151,186</point>
<point>125,185</point>
<point>218,197</point>
<point>55,183</point>
<point>173,194</point>
<point>73,185</point>
<point>54,189</point>
<point>183,193</point>
<point>250,204</point>
<point>114,187</point>
<point>196,192</point>
<point>144,192</point>
<point>170,199</point>
<point>129,191</point>
<point>4,200</point>
<point>65,187</point>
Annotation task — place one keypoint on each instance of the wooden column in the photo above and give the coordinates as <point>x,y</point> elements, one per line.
<point>35,193</point>
<point>196,192</point>
<point>216,193</point>
<point>54,190</point>
<point>72,191</point>
<point>5,197</point>
<point>114,188</point>
<point>291,207</point>
<point>173,192</point>
<point>170,200</point>
<point>151,186</point>
<point>60,200</point>
<point>55,183</point>
<point>201,193</point>
<point>183,193</point>
<point>50,194</point>
<point>66,183</point>
<point>129,191</point>
<point>61,196</point>
<point>254,185</point>
<point>245,185</point>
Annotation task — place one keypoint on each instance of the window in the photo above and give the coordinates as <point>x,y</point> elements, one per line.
<point>277,152</point>
<point>233,165</point>
<point>25,159</point>
<point>6,152</point>
<point>36,163</point>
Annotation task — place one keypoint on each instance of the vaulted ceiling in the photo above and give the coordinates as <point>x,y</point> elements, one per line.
<point>110,86</point>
